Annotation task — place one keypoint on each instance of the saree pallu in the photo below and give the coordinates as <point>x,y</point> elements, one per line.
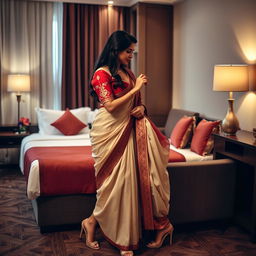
<point>132,181</point>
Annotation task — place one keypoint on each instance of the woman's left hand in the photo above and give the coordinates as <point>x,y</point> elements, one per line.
<point>138,112</point>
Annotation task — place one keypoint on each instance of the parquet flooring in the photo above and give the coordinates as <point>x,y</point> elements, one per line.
<point>20,236</point>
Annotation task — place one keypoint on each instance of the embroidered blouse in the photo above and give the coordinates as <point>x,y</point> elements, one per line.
<point>104,85</point>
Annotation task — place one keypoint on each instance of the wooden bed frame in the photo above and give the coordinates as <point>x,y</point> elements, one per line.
<point>199,192</point>
<point>58,212</point>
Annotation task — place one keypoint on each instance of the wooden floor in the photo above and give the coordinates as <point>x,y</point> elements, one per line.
<point>20,236</point>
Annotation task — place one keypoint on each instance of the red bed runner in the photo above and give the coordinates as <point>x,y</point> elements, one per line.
<point>176,157</point>
<point>63,170</point>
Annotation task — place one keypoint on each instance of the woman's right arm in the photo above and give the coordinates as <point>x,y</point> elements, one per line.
<point>112,105</point>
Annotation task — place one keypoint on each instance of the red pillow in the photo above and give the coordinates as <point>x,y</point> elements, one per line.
<point>182,132</point>
<point>68,124</point>
<point>202,142</point>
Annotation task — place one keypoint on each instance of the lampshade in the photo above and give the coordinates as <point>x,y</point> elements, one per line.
<point>233,78</point>
<point>18,83</point>
<point>252,77</point>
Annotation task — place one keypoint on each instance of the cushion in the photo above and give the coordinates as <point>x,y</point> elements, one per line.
<point>202,141</point>
<point>68,124</point>
<point>174,116</point>
<point>182,131</point>
<point>46,117</point>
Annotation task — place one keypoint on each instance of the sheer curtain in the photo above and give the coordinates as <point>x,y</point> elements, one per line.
<point>26,47</point>
<point>57,29</point>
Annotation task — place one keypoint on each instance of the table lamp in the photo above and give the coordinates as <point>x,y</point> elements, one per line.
<point>18,83</point>
<point>231,78</point>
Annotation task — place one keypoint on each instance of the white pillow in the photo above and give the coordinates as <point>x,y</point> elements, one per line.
<point>92,115</point>
<point>82,114</point>
<point>47,116</point>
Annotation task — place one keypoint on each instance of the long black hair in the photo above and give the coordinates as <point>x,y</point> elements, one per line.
<point>116,43</point>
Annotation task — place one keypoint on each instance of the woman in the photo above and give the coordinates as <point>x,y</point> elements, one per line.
<point>130,155</point>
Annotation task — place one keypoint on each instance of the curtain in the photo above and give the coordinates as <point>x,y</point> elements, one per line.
<point>80,48</point>
<point>85,31</point>
<point>57,27</point>
<point>112,18</point>
<point>26,48</point>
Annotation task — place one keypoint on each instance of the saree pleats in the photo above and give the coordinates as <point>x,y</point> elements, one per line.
<point>138,163</point>
<point>159,178</point>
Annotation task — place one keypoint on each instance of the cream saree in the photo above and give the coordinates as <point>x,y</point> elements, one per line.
<point>132,181</point>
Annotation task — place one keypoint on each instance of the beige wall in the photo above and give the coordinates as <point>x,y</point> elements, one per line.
<point>206,33</point>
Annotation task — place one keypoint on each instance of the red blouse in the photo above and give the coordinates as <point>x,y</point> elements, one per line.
<point>103,82</point>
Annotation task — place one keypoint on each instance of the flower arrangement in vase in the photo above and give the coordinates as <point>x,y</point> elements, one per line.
<point>23,125</point>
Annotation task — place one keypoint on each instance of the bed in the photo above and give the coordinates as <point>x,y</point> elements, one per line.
<point>66,194</point>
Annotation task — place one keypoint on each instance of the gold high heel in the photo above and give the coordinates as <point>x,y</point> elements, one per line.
<point>93,245</point>
<point>126,253</point>
<point>169,232</point>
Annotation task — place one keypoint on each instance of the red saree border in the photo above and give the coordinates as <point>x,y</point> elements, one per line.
<point>163,139</point>
<point>161,222</point>
<point>144,178</point>
<point>131,247</point>
<point>115,155</point>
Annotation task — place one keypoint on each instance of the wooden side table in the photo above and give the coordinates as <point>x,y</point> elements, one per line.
<point>242,149</point>
<point>9,139</point>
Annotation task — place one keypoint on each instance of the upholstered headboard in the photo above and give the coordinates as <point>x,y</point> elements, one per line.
<point>174,116</point>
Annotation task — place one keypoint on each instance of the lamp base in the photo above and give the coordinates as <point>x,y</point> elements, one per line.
<point>18,100</point>
<point>230,124</point>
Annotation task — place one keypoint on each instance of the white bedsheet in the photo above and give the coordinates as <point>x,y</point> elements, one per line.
<point>191,156</point>
<point>37,140</point>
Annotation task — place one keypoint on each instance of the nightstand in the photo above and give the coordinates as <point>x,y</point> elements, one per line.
<point>242,149</point>
<point>8,139</point>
